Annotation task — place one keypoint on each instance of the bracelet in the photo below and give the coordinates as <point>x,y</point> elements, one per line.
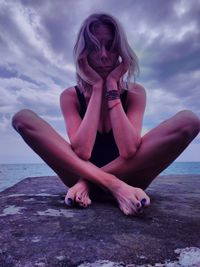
<point>112,95</point>
<point>114,105</point>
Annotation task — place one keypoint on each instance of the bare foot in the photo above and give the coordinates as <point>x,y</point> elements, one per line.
<point>78,194</point>
<point>131,200</point>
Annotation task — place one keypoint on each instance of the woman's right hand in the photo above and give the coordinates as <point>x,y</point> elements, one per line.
<point>92,76</point>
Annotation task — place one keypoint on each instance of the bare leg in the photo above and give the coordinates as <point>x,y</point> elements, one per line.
<point>57,153</point>
<point>159,148</point>
<point>41,137</point>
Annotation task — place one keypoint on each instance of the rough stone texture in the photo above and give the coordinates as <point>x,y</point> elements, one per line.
<point>37,229</point>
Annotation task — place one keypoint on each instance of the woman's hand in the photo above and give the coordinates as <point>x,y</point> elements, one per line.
<point>117,73</point>
<point>92,76</point>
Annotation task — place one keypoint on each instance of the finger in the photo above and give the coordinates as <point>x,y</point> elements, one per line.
<point>118,72</point>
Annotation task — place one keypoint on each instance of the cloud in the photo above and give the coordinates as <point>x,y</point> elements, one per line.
<point>36,50</point>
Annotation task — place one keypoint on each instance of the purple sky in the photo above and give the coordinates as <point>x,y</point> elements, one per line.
<point>36,43</point>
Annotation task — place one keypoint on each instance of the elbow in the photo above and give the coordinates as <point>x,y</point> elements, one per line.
<point>84,154</point>
<point>128,153</point>
<point>131,150</point>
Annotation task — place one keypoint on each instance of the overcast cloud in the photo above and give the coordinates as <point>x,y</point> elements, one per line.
<point>36,44</point>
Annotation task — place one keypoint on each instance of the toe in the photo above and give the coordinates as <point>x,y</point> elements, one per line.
<point>87,199</point>
<point>142,198</point>
<point>85,204</point>
<point>137,204</point>
<point>139,207</point>
<point>126,211</point>
<point>81,201</point>
<point>89,202</point>
<point>145,201</point>
<point>69,198</point>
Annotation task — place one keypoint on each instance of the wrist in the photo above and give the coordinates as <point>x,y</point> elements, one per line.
<point>111,84</point>
<point>112,95</point>
<point>98,84</point>
<point>113,104</point>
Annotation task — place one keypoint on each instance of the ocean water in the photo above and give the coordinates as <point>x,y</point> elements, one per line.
<point>11,174</point>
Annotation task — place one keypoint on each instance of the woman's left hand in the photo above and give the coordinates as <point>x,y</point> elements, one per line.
<point>117,73</point>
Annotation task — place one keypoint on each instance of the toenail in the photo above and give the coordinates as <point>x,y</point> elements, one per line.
<point>143,201</point>
<point>69,202</point>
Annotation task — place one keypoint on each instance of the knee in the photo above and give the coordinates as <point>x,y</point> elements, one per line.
<point>22,120</point>
<point>189,123</point>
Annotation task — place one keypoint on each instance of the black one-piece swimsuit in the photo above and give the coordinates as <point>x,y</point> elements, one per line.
<point>105,149</point>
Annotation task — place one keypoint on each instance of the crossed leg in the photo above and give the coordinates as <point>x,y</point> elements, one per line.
<point>158,149</point>
<point>58,154</point>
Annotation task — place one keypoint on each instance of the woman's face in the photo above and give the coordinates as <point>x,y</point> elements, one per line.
<point>104,60</point>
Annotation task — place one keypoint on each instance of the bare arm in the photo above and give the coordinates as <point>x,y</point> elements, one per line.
<point>127,127</point>
<point>82,133</point>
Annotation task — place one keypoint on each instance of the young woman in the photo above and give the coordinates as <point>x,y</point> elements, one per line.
<point>103,116</point>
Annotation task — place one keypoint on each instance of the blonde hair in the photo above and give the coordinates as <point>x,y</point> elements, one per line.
<point>86,40</point>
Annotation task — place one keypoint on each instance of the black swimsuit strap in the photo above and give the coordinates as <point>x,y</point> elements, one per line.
<point>82,101</point>
<point>123,99</point>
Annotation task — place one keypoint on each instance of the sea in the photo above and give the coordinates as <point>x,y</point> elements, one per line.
<point>11,174</point>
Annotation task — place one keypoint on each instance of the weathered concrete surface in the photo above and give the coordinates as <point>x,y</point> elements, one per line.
<point>37,229</point>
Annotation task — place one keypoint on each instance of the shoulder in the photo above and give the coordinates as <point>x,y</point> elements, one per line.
<point>68,92</point>
<point>69,97</point>
<point>136,91</point>
<point>137,88</point>
<point>136,95</point>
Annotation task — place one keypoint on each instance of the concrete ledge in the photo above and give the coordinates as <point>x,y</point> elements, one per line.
<point>37,229</point>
